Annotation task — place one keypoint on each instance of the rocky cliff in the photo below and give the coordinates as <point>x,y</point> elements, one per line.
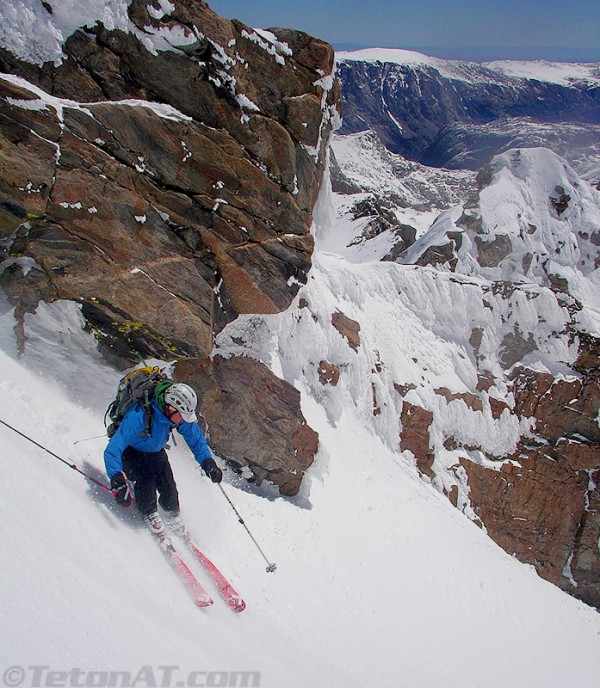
<point>160,167</point>
<point>529,236</point>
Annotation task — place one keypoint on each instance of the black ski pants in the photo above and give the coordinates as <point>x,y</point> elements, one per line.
<point>151,473</point>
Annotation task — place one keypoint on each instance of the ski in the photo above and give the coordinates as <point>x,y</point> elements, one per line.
<point>229,595</point>
<point>196,590</point>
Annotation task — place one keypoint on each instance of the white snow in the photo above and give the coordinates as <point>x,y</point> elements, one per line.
<point>163,110</point>
<point>245,103</point>
<point>380,581</point>
<point>417,194</point>
<point>269,43</point>
<point>561,73</point>
<point>394,55</point>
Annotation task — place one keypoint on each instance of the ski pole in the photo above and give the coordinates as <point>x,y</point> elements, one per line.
<point>70,465</point>
<point>271,566</point>
<point>87,439</point>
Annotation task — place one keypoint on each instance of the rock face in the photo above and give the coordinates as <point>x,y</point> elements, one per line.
<point>166,189</point>
<point>542,505</point>
<point>253,419</point>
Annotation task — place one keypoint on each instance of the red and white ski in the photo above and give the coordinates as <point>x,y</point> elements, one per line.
<point>194,587</point>
<point>230,596</point>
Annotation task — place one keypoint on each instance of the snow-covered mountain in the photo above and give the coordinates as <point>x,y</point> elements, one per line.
<point>458,114</point>
<point>561,74</point>
<point>533,219</point>
<point>510,277</point>
<point>384,201</point>
<point>518,245</point>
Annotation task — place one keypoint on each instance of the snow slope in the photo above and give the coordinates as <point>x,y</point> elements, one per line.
<point>366,162</point>
<point>379,582</point>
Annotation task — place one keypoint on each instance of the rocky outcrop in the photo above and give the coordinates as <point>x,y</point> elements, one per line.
<point>253,419</point>
<point>532,509</point>
<point>165,189</point>
<point>140,210</point>
<point>545,511</point>
<point>329,373</point>
<point>348,328</point>
<point>568,461</point>
<point>415,436</point>
<point>541,503</point>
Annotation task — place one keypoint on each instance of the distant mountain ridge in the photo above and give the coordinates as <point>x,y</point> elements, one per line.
<point>426,108</point>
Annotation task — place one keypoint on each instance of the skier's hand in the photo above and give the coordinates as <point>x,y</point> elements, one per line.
<point>120,489</point>
<point>211,469</point>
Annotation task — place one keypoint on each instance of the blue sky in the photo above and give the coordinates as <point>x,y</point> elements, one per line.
<point>469,29</point>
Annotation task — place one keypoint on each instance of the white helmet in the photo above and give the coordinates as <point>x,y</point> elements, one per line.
<point>184,399</point>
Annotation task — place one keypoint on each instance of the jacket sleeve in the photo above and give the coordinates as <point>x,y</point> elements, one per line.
<point>195,441</point>
<point>130,428</point>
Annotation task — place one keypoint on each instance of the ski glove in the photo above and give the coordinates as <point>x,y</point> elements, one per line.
<point>120,489</point>
<point>211,469</point>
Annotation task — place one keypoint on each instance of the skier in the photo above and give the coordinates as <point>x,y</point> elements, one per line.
<point>133,455</point>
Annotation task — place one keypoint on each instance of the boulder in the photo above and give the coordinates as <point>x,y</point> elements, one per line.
<point>253,419</point>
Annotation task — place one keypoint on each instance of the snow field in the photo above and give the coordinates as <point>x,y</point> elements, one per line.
<point>379,581</point>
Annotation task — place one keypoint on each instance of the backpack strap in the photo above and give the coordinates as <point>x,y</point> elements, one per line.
<point>159,393</point>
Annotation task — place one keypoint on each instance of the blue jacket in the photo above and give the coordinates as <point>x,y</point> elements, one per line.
<point>131,434</point>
